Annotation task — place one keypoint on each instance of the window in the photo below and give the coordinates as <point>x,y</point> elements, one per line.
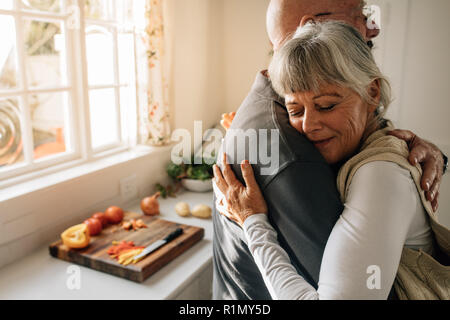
<point>68,72</point>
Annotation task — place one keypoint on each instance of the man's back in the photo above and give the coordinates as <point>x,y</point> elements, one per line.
<point>301,195</point>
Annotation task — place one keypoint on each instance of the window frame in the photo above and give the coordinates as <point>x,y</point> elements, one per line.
<point>77,88</point>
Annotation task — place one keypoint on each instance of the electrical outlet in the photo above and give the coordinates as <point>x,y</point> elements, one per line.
<point>128,188</point>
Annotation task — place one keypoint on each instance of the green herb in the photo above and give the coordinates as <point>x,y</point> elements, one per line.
<point>160,188</point>
<point>175,171</point>
<point>201,171</point>
<point>169,191</point>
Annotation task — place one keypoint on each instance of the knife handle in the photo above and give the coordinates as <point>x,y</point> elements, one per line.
<point>174,234</point>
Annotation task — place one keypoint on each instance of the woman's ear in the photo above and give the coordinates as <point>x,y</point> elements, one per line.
<point>374,92</point>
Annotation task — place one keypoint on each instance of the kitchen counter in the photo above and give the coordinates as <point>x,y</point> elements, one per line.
<point>189,276</point>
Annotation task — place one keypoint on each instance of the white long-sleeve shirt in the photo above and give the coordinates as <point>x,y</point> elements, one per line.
<point>383,213</point>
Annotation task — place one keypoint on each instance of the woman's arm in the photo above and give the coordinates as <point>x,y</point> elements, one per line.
<point>363,252</point>
<point>280,276</point>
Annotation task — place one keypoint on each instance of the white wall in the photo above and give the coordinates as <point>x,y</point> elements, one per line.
<point>246,47</point>
<point>413,50</point>
<point>219,46</point>
<point>426,89</point>
<point>197,90</point>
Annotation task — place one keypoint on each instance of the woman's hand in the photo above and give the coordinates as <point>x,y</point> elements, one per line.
<point>240,201</point>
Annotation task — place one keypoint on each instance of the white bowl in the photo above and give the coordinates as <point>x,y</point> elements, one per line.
<point>197,185</point>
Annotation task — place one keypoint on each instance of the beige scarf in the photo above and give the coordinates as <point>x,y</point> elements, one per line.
<point>419,276</point>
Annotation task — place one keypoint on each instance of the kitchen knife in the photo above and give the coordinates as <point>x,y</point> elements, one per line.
<point>159,243</point>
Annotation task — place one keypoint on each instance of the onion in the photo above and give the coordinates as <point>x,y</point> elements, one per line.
<point>150,205</point>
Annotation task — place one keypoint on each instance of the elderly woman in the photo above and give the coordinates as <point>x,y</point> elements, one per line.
<point>336,96</point>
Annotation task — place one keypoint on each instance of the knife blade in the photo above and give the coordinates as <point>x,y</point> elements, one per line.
<point>159,243</point>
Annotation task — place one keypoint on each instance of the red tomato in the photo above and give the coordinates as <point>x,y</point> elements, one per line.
<point>94,226</point>
<point>114,214</point>
<point>102,217</point>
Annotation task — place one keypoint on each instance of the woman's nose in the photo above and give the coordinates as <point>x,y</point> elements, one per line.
<point>311,121</point>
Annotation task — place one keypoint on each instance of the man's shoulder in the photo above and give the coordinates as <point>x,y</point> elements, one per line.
<point>260,108</point>
<point>267,117</point>
<point>262,134</point>
<point>259,104</point>
<point>257,112</point>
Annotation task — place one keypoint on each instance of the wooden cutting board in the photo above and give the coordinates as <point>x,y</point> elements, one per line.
<point>95,256</point>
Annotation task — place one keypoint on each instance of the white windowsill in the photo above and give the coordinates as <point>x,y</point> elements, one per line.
<point>76,171</point>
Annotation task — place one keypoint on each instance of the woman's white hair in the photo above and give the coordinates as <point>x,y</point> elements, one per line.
<point>330,52</point>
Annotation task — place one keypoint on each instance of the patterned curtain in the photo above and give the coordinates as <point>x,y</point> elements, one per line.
<point>154,119</point>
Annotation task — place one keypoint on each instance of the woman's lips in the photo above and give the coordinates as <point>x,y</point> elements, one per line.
<point>320,144</point>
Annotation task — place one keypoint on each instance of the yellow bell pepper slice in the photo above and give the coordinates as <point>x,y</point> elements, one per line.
<point>76,237</point>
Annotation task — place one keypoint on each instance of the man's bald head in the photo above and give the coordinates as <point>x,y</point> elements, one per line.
<point>285,16</point>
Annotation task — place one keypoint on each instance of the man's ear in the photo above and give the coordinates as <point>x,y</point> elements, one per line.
<point>374,94</point>
<point>306,19</point>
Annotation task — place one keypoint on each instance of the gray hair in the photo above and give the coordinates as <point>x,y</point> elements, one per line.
<point>330,52</point>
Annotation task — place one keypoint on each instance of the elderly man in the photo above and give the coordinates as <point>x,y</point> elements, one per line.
<point>301,193</point>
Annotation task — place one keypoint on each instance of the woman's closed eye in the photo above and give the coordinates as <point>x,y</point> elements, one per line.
<point>327,107</point>
<point>298,112</point>
<point>295,113</point>
<point>295,109</point>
